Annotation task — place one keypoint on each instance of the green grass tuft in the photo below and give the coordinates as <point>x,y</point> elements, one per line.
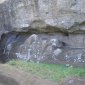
<point>48,71</point>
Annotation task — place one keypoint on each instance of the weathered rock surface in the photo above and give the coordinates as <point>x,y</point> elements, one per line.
<point>22,15</point>
<point>51,48</point>
<point>43,30</point>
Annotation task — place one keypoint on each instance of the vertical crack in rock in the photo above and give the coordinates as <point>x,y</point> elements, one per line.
<point>35,7</point>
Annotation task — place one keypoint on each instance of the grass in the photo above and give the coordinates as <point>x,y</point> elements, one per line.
<point>48,71</point>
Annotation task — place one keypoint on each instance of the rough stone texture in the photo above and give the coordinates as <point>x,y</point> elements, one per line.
<point>51,48</point>
<point>22,15</point>
<point>43,30</point>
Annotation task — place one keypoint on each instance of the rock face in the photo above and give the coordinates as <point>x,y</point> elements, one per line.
<point>51,31</point>
<point>49,48</point>
<point>22,15</point>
